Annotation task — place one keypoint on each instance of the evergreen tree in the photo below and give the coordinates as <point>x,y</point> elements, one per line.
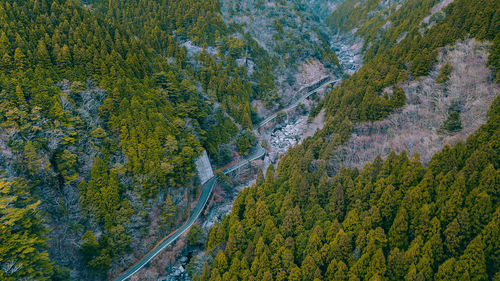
<point>22,235</point>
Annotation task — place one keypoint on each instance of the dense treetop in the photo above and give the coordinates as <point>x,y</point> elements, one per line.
<point>100,98</point>
<point>393,220</point>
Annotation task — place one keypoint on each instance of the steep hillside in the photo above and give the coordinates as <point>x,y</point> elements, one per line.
<point>87,127</point>
<point>387,62</point>
<point>231,68</point>
<point>421,126</point>
<point>293,33</point>
<point>102,114</point>
<point>424,83</point>
<point>106,105</point>
<point>392,220</point>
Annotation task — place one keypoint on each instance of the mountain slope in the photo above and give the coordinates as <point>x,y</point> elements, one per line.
<point>293,33</point>
<point>104,125</point>
<point>395,219</point>
<point>83,149</point>
<point>104,105</point>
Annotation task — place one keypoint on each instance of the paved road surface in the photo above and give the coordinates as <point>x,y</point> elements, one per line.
<point>206,191</point>
<point>297,102</point>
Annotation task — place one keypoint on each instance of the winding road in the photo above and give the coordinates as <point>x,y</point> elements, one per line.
<point>207,187</point>
<point>206,191</point>
<point>310,90</point>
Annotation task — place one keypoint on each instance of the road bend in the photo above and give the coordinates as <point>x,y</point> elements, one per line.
<point>206,191</point>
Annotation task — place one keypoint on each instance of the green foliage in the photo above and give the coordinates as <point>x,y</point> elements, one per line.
<point>147,128</point>
<point>99,254</point>
<point>193,19</point>
<point>167,213</point>
<point>281,117</point>
<point>246,141</point>
<point>23,239</point>
<point>398,98</point>
<point>220,133</point>
<point>143,132</point>
<point>102,192</point>
<point>101,198</point>
<point>224,180</point>
<point>452,123</point>
<point>422,62</point>
<point>90,246</point>
<point>494,58</point>
<point>153,119</point>
<point>327,55</point>
<point>350,14</point>
<point>195,235</point>
<point>60,273</point>
<point>33,161</point>
<point>444,73</point>
<point>260,177</point>
<point>399,49</point>
<point>393,220</point>
<point>66,164</point>
<point>160,24</point>
<point>225,155</point>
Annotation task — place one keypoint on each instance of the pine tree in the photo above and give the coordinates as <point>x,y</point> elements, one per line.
<point>260,177</point>
<point>472,264</point>
<point>4,44</point>
<point>33,161</point>
<point>42,54</point>
<point>168,210</point>
<point>19,59</point>
<point>90,246</point>
<point>23,241</point>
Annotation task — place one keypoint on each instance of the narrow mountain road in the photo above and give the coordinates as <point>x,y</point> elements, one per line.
<point>206,191</point>
<point>310,90</point>
<point>207,187</point>
<point>259,152</point>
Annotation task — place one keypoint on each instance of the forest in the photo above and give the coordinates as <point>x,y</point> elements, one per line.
<point>102,115</point>
<point>388,62</point>
<point>395,219</point>
<point>105,105</point>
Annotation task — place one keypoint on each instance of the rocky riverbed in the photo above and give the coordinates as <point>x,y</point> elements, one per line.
<point>348,50</point>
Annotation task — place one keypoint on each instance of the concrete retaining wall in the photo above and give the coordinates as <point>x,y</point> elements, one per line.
<point>204,168</point>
